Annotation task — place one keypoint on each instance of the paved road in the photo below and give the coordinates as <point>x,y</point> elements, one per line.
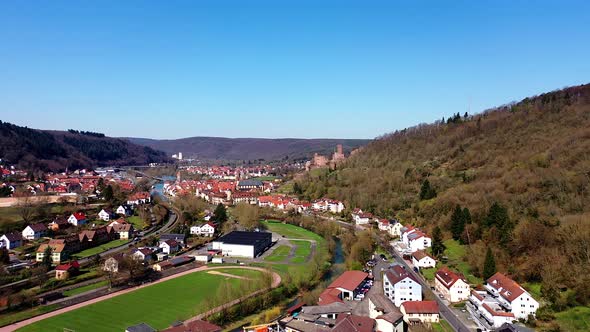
<point>445,311</point>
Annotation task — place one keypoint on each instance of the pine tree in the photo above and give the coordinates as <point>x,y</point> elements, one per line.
<point>107,194</point>
<point>457,223</point>
<point>498,217</point>
<point>466,216</point>
<point>47,257</point>
<point>426,191</point>
<point>489,265</point>
<point>220,214</point>
<point>438,247</point>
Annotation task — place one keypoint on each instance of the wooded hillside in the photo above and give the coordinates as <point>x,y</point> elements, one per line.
<point>531,158</point>
<point>34,149</point>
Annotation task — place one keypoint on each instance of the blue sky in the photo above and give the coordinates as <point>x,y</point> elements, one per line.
<point>342,69</point>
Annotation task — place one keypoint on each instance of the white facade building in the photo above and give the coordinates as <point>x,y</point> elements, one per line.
<point>400,286</point>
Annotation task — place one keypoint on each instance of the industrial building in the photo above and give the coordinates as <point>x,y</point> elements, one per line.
<point>243,244</point>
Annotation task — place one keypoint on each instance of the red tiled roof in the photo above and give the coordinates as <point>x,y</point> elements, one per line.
<point>420,307</point>
<point>508,288</point>
<point>354,323</point>
<point>397,274</point>
<point>448,278</point>
<point>329,295</point>
<point>349,280</point>
<point>79,216</point>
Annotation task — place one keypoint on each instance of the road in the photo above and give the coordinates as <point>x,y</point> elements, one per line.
<point>172,217</point>
<point>445,312</point>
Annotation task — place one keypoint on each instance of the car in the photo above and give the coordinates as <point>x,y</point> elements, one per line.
<point>361,296</point>
<point>441,296</point>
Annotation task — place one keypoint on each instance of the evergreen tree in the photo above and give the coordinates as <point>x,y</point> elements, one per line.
<point>47,259</point>
<point>457,223</point>
<point>4,256</point>
<point>489,265</point>
<point>466,216</point>
<point>107,193</point>
<point>498,217</point>
<point>426,191</point>
<point>220,214</point>
<point>438,247</point>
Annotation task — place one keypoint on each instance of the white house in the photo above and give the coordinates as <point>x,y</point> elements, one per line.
<point>422,260</point>
<point>77,219</point>
<point>503,301</point>
<point>143,254</point>
<point>123,210</point>
<point>169,246</point>
<point>383,225</point>
<point>400,286</point>
<point>207,229</point>
<point>415,239</point>
<point>451,285</point>
<point>512,296</point>
<point>362,218</point>
<point>395,228</point>
<point>105,214</point>
<point>11,240</point>
<point>420,311</point>
<point>34,232</point>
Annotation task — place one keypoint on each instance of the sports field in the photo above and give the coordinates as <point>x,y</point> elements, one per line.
<point>279,254</point>
<point>158,305</point>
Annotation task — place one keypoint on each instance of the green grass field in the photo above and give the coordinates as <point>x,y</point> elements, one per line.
<point>443,326</point>
<point>291,231</point>
<point>158,305</point>
<point>456,252</point>
<point>86,288</point>
<point>99,249</point>
<point>302,251</point>
<point>136,222</point>
<point>279,254</point>
<point>7,319</point>
<point>574,319</point>
<point>429,273</point>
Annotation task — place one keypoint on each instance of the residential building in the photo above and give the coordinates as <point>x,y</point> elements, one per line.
<point>169,246</point>
<point>105,214</point>
<point>124,210</point>
<point>416,312</point>
<point>139,198</point>
<point>453,286</point>
<point>180,238</point>
<point>64,271</point>
<point>387,316</point>
<point>11,240</point>
<point>400,286</point>
<point>58,252</point>
<point>502,301</point>
<point>34,231</point>
<point>77,219</point>
<point>124,231</point>
<point>207,229</point>
<point>194,326</point>
<point>422,260</point>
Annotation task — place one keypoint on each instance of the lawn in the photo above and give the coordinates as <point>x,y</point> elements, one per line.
<point>574,319</point>
<point>302,251</point>
<point>291,231</point>
<point>100,249</point>
<point>136,222</point>
<point>86,288</point>
<point>456,252</point>
<point>158,305</point>
<point>534,288</point>
<point>279,254</point>
<point>443,326</point>
<point>22,315</point>
<point>428,273</point>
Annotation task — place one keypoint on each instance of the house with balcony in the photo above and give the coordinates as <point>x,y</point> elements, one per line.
<point>453,286</point>
<point>501,301</point>
<point>400,286</point>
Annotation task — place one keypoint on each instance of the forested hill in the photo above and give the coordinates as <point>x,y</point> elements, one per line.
<point>532,158</point>
<point>221,148</point>
<point>34,149</point>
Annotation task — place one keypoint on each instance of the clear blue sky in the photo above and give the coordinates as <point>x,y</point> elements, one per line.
<point>170,69</point>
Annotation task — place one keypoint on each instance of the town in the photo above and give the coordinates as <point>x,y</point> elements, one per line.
<point>107,244</point>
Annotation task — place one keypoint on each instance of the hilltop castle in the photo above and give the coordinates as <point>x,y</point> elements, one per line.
<point>319,161</point>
